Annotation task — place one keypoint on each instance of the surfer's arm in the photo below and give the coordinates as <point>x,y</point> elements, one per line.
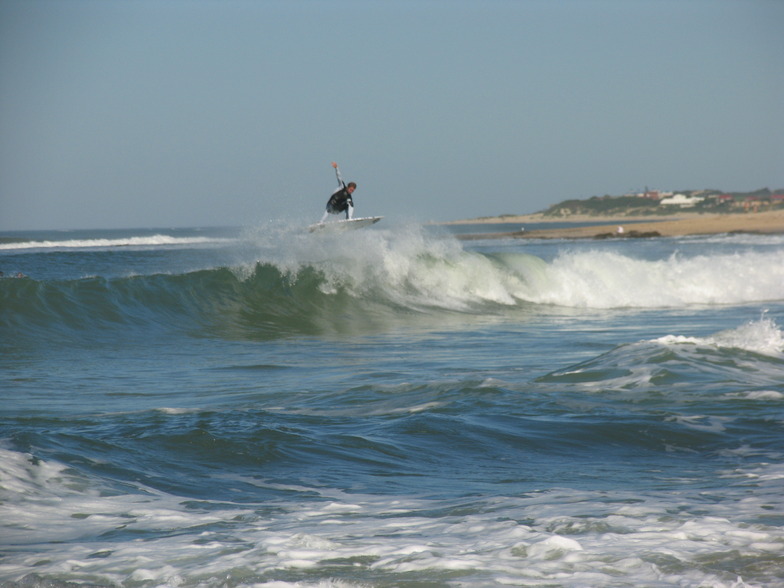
<point>341,183</point>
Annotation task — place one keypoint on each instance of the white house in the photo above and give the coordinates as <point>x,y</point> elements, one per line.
<point>681,200</point>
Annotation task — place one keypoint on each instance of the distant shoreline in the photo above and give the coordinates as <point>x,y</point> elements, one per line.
<point>538,217</point>
<point>686,223</point>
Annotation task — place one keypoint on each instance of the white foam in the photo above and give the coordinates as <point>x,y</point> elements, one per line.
<point>762,336</point>
<point>634,366</point>
<point>62,525</point>
<point>764,395</point>
<point>146,241</point>
<point>602,279</point>
<point>708,424</point>
<point>405,267</point>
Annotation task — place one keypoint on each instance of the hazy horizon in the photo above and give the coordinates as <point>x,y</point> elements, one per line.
<point>177,114</point>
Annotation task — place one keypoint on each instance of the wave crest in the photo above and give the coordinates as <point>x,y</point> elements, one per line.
<point>300,283</point>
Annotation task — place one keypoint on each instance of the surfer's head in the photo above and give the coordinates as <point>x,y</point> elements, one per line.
<point>351,187</point>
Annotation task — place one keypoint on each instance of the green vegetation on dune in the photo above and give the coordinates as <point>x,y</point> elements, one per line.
<point>656,204</point>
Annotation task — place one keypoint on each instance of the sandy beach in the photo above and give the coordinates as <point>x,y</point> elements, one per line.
<point>671,226</point>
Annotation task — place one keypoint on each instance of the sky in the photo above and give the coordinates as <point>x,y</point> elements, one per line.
<point>173,113</point>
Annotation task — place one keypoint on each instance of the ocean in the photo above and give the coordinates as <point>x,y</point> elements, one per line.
<point>390,407</point>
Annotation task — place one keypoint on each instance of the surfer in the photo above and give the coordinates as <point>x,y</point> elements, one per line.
<point>340,201</point>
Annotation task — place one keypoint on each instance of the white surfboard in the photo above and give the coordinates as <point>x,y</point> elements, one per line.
<point>345,224</point>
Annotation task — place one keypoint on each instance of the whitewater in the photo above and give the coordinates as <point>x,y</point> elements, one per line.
<point>262,406</point>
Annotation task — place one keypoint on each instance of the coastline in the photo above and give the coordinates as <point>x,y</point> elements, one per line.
<point>686,223</point>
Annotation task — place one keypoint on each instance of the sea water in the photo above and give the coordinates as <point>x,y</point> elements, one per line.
<point>390,407</point>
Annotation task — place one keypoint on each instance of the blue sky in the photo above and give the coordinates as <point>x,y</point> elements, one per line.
<point>192,113</point>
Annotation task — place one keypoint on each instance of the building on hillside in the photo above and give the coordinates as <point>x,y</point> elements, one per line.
<point>725,199</point>
<point>681,200</point>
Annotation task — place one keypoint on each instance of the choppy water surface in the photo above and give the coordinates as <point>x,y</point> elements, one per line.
<point>390,407</point>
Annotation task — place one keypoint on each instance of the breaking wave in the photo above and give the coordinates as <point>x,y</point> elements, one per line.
<point>306,285</point>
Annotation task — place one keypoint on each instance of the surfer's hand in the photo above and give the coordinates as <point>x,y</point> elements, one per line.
<point>335,165</point>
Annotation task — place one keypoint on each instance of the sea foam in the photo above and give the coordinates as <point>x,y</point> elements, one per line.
<point>141,241</point>
<point>411,268</point>
<point>762,336</point>
<point>541,537</point>
<point>601,279</point>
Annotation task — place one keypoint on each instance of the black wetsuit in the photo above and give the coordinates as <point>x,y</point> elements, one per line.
<point>340,201</point>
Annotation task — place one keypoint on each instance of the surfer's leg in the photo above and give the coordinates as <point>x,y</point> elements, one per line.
<point>324,217</point>
<point>350,212</point>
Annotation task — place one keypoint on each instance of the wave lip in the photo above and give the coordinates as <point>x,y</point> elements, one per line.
<point>746,358</point>
<point>762,337</point>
